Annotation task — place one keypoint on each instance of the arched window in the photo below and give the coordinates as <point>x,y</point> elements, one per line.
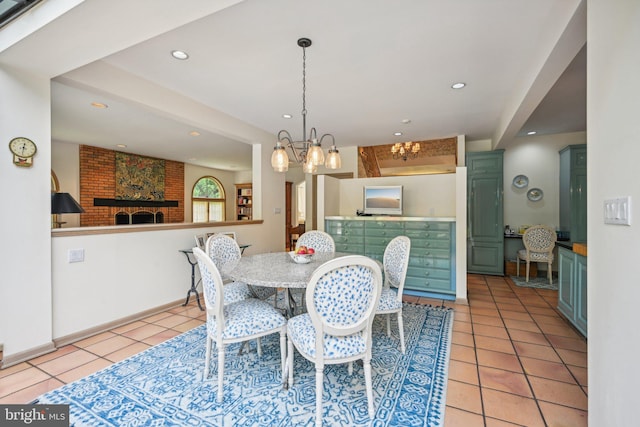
<point>208,200</point>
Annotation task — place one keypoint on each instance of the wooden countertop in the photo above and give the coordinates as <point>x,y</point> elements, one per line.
<point>580,248</point>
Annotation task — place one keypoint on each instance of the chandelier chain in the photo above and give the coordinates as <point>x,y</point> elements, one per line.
<point>304,83</point>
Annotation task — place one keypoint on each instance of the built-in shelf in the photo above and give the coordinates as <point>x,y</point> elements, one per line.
<point>244,202</point>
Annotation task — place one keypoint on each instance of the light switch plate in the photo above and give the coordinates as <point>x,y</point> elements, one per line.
<point>75,255</point>
<point>618,211</point>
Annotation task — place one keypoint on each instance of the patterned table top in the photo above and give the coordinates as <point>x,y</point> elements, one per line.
<point>277,269</point>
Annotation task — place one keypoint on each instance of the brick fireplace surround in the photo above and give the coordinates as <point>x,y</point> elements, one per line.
<point>98,180</point>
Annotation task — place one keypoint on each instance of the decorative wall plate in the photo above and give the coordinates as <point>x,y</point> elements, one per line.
<point>535,194</point>
<point>520,181</point>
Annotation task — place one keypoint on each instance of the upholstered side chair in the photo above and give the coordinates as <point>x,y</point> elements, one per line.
<point>237,322</point>
<point>395,262</point>
<point>226,253</point>
<point>318,240</point>
<point>539,242</point>
<point>343,296</point>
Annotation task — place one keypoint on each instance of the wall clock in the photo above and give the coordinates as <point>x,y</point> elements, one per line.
<point>23,150</point>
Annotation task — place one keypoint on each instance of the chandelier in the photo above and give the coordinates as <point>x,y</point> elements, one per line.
<point>405,150</point>
<point>307,152</point>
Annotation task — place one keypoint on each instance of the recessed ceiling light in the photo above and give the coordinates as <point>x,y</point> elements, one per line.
<point>458,85</point>
<point>194,133</point>
<point>99,105</point>
<point>121,146</point>
<point>406,121</point>
<point>179,54</point>
<point>287,116</point>
<point>398,133</point>
<point>533,132</point>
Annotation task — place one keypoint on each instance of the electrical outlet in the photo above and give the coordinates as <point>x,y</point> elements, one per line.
<point>75,255</point>
<point>618,211</point>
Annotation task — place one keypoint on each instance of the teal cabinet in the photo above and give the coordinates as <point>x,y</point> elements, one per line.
<point>572,288</point>
<point>485,216</point>
<point>431,270</point>
<point>573,191</point>
<point>347,235</point>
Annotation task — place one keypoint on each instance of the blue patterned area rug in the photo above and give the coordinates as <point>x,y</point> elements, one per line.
<point>536,282</point>
<point>163,386</point>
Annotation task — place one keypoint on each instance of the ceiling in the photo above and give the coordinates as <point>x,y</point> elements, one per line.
<point>372,64</point>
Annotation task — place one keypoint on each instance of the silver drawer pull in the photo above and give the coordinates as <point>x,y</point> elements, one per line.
<point>426,273</point>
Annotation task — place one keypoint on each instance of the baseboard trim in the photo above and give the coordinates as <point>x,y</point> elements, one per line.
<point>77,336</point>
<point>56,343</point>
<point>16,358</point>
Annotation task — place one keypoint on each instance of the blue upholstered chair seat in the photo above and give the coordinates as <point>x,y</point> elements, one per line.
<point>389,300</point>
<point>303,335</point>
<point>251,317</point>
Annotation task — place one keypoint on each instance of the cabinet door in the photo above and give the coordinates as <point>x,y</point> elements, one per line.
<point>581,294</point>
<point>566,280</point>
<point>485,243</point>
<point>579,206</point>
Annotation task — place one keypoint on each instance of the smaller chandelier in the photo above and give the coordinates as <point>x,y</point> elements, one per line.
<point>307,152</point>
<point>405,150</point>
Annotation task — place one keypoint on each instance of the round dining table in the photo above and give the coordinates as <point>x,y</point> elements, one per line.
<point>278,270</point>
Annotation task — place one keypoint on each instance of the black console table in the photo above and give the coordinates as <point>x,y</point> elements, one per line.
<point>194,286</point>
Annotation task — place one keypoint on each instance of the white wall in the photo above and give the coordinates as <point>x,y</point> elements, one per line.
<point>537,157</point>
<point>25,221</point>
<point>423,195</point>
<point>613,149</point>
<point>26,269</point>
<point>65,161</point>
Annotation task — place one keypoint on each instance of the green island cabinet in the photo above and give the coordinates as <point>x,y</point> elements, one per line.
<point>431,270</point>
<point>572,287</point>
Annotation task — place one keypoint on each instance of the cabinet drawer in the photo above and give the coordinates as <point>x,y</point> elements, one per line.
<point>347,238</point>
<point>350,248</point>
<point>384,225</point>
<point>428,234</point>
<point>341,227</point>
<point>382,241</point>
<point>430,244</point>
<point>417,252</point>
<point>427,226</point>
<point>429,273</point>
<point>422,284</point>
<point>444,263</point>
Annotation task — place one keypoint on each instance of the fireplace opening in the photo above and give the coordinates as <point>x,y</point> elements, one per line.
<point>139,217</point>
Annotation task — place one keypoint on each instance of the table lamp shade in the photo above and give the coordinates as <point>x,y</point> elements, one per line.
<point>63,203</point>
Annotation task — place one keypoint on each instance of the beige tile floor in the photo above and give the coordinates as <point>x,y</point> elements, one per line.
<point>514,359</point>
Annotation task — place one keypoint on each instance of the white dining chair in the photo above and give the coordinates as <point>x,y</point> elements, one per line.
<point>395,262</point>
<point>342,296</point>
<point>241,321</point>
<point>318,240</point>
<point>225,254</point>
<point>539,242</point>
